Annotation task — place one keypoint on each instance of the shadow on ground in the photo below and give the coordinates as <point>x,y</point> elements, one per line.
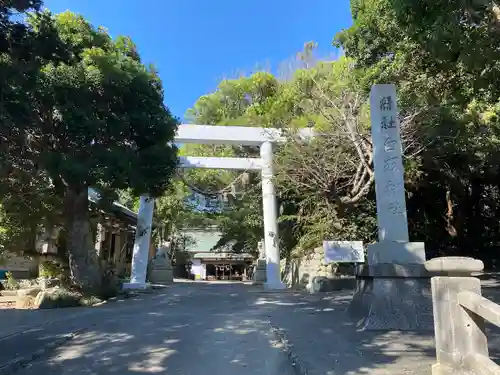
<point>204,332</point>
<point>329,343</point>
<point>225,329</point>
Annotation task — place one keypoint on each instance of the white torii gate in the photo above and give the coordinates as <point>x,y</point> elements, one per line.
<point>235,135</point>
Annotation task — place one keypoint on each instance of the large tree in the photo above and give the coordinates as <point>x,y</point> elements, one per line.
<point>94,119</point>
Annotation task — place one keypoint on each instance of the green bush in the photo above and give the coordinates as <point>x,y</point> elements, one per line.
<point>11,283</point>
<point>67,298</point>
<point>73,297</point>
<point>50,269</point>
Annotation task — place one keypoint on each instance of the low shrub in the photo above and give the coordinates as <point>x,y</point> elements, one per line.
<point>66,298</point>
<point>11,283</point>
<point>72,296</point>
<point>50,269</point>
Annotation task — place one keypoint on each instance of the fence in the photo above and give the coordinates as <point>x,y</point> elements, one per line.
<point>460,313</point>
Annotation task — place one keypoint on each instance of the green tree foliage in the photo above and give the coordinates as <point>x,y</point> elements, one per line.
<point>95,118</point>
<point>443,56</point>
<point>26,199</point>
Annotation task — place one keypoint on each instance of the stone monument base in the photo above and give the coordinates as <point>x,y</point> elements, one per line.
<point>391,296</point>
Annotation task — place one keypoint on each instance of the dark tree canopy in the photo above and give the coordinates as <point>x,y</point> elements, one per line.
<point>79,110</point>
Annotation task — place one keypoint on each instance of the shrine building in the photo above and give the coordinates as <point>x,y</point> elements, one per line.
<point>211,263</point>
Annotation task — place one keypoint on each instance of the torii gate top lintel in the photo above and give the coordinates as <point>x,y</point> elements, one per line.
<point>235,135</point>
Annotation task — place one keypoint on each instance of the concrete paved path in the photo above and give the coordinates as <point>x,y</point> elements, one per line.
<point>198,329</point>
<point>205,330</point>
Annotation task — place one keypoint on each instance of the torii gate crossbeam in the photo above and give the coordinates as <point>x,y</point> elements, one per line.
<point>236,135</point>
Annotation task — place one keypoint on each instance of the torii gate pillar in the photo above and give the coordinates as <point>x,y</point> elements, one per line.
<point>270,213</point>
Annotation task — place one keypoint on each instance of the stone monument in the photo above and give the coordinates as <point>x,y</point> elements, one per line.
<point>160,269</point>
<point>393,288</point>
<point>260,266</point>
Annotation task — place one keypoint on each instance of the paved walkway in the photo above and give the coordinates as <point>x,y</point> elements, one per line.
<point>195,329</point>
<point>328,343</point>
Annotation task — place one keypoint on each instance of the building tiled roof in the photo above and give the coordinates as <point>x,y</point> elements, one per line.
<point>94,198</point>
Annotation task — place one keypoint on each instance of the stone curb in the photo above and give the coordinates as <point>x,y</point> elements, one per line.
<point>21,362</point>
<point>297,363</point>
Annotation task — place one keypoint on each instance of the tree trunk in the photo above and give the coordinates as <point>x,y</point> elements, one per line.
<point>83,260</point>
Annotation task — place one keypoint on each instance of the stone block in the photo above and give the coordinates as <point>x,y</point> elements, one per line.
<point>459,317</point>
<point>391,270</point>
<point>393,290</point>
<point>451,266</point>
<point>46,283</point>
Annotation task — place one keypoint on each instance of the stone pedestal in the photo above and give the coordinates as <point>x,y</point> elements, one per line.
<point>259,276</point>
<point>160,271</point>
<point>393,289</point>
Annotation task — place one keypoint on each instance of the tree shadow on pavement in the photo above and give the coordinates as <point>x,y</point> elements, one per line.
<point>199,335</point>
<point>226,329</point>
<point>328,342</point>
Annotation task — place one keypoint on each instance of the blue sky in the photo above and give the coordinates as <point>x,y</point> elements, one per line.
<point>196,43</point>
